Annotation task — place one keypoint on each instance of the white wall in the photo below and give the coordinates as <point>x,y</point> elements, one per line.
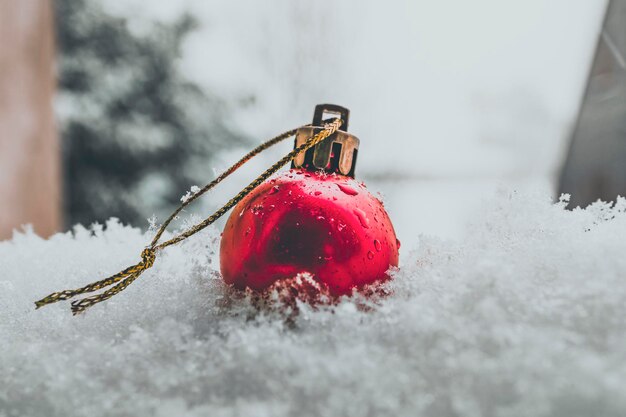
<point>474,93</point>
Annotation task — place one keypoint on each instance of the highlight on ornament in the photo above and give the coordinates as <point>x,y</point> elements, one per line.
<point>314,218</point>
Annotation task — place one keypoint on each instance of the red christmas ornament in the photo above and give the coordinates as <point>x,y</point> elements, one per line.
<point>313,218</point>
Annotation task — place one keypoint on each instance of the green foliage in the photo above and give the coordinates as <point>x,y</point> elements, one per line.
<point>136,134</point>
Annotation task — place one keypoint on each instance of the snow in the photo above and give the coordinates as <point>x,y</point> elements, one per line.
<point>525,316</point>
<point>193,191</point>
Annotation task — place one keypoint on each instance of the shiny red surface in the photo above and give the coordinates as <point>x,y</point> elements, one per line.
<point>301,221</point>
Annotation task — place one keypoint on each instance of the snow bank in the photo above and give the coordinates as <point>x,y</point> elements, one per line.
<point>526,317</point>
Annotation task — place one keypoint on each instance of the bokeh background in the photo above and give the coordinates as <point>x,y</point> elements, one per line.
<point>116,108</point>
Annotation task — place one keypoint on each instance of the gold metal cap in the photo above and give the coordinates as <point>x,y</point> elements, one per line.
<point>336,154</point>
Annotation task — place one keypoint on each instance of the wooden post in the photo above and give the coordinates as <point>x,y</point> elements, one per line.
<point>29,147</point>
<point>595,166</point>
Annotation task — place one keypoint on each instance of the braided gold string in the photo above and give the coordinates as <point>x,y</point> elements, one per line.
<point>148,255</point>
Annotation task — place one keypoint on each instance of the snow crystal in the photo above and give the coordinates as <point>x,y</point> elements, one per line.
<point>193,191</point>
<point>525,317</point>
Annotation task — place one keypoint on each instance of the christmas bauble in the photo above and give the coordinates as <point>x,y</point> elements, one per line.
<point>308,219</point>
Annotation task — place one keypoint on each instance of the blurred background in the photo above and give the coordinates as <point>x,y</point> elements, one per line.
<point>116,108</point>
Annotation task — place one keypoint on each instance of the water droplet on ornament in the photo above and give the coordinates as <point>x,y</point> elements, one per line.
<point>328,257</point>
<point>321,218</point>
<point>334,198</point>
<point>377,245</point>
<point>270,207</point>
<point>341,226</point>
<point>248,230</point>
<point>274,189</point>
<point>317,193</point>
<point>370,255</point>
<point>365,222</point>
<point>398,243</point>
<point>347,189</point>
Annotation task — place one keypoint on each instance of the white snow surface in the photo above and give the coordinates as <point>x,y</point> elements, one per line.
<point>524,317</point>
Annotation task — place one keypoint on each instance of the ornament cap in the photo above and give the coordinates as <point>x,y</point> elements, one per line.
<point>337,154</point>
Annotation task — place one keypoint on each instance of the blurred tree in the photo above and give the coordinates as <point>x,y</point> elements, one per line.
<point>135,133</point>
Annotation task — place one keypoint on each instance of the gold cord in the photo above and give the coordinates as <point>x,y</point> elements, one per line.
<point>148,255</point>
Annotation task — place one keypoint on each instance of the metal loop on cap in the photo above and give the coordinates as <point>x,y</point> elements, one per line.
<point>333,109</point>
